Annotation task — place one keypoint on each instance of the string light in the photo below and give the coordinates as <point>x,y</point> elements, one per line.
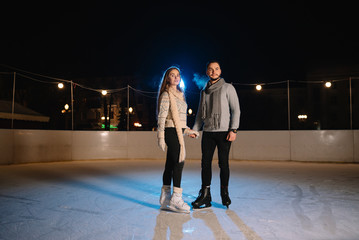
<point>104,92</point>
<point>61,85</point>
<point>258,86</point>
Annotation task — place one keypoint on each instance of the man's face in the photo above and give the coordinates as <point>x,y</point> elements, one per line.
<point>214,71</point>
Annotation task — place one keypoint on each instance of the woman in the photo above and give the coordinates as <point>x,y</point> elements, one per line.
<point>172,123</point>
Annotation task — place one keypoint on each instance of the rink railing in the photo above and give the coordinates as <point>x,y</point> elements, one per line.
<point>28,146</point>
<point>324,102</point>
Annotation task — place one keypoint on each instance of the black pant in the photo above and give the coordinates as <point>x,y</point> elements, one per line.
<point>173,168</point>
<point>211,140</point>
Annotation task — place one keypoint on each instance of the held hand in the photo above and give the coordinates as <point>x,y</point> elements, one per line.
<point>162,144</point>
<point>231,136</point>
<point>191,133</point>
<point>192,136</point>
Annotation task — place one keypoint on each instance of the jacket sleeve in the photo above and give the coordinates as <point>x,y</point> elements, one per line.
<point>234,107</point>
<point>198,123</point>
<point>164,105</point>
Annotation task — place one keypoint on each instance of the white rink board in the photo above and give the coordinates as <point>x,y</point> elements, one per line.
<point>25,146</point>
<point>262,145</point>
<point>336,146</point>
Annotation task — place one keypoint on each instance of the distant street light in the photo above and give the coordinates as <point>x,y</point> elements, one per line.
<point>137,124</point>
<point>258,87</point>
<point>60,85</point>
<point>190,111</point>
<point>66,107</point>
<point>104,92</point>
<point>130,110</point>
<point>302,116</point>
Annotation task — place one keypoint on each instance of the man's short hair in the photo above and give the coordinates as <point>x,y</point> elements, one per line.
<point>212,61</point>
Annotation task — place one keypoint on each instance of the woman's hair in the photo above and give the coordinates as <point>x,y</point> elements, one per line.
<point>165,83</point>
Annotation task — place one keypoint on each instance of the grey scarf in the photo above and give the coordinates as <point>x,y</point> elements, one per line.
<point>212,109</point>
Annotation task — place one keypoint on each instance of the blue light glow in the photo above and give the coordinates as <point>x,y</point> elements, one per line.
<point>182,84</point>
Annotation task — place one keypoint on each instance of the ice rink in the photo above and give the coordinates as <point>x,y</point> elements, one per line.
<point>119,200</point>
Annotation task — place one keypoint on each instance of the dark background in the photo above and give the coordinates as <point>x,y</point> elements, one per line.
<point>255,42</point>
<point>263,41</point>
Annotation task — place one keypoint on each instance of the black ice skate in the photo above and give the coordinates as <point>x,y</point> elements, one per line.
<point>226,201</point>
<point>204,198</point>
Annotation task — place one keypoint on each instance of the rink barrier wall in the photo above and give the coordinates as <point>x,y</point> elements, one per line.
<point>28,146</point>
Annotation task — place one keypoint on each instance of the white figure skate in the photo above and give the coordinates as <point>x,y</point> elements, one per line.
<point>177,204</point>
<point>165,197</point>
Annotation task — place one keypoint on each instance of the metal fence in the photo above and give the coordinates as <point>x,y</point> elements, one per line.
<point>41,102</point>
<point>300,105</point>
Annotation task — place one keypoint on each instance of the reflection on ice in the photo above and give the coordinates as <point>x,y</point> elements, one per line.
<point>211,221</point>
<point>170,223</point>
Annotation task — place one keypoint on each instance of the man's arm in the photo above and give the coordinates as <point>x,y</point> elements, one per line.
<point>198,123</point>
<point>234,108</point>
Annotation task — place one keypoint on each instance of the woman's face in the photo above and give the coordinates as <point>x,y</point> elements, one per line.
<point>214,71</point>
<point>174,77</point>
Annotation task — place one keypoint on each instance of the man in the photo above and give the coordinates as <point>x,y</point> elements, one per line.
<point>219,114</point>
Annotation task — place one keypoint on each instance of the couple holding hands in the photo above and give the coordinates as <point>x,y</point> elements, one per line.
<point>218,113</point>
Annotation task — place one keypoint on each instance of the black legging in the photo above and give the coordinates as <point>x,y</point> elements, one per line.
<point>173,168</point>
<point>211,140</point>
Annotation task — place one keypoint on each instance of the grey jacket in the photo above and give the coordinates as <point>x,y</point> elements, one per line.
<point>230,111</point>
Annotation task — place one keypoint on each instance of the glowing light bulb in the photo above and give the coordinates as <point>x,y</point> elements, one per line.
<point>328,84</point>
<point>258,87</point>
<point>104,92</point>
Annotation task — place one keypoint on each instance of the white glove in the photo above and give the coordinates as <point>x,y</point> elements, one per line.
<point>189,131</point>
<point>162,143</point>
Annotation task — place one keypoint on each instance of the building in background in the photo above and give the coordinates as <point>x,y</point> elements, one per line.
<point>22,117</point>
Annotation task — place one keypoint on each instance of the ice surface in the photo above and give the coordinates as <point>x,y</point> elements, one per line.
<point>119,200</point>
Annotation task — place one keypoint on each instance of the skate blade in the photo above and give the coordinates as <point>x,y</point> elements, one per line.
<point>202,208</point>
<point>178,210</point>
<point>165,207</point>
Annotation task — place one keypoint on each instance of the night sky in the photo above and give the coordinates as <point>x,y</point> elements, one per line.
<point>261,41</point>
